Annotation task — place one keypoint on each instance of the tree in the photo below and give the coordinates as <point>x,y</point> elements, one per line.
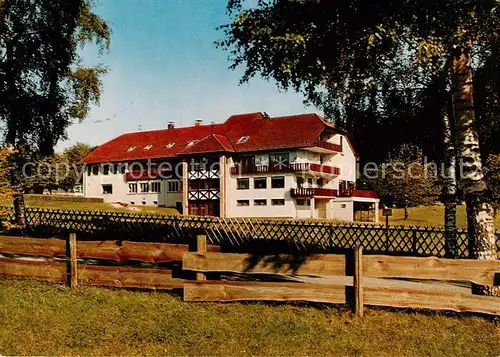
<point>72,158</point>
<point>44,85</point>
<point>330,51</point>
<point>492,177</point>
<point>405,180</point>
<point>5,189</point>
<point>45,174</point>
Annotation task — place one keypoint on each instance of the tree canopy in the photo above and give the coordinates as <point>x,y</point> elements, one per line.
<point>44,84</point>
<point>368,64</point>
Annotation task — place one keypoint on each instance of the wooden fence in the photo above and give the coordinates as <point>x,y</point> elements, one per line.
<point>104,263</point>
<point>207,274</point>
<point>244,235</point>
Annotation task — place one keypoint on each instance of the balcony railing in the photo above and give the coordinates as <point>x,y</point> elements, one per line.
<point>328,146</point>
<point>284,168</point>
<point>146,174</point>
<point>311,192</point>
<point>358,193</point>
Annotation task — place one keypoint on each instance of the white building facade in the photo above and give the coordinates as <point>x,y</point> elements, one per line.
<point>249,166</point>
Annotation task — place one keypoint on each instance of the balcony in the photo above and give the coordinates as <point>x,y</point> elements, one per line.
<point>313,192</point>
<point>358,193</point>
<point>286,168</point>
<point>148,174</point>
<point>325,147</point>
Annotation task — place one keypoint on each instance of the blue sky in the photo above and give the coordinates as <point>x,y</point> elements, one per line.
<point>163,66</point>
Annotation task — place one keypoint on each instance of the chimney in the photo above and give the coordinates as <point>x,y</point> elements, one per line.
<point>171,125</point>
<point>198,122</point>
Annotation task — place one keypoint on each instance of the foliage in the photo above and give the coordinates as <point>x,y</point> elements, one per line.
<point>406,180</point>
<point>46,173</point>
<point>5,188</point>
<point>72,157</point>
<point>58,171</point>
<point>492,177</point>
<point>44,85</point>
<point>345,46</point>
<point>372,66</point>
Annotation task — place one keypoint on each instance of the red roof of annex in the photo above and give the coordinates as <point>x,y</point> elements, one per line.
<point>239,133</point>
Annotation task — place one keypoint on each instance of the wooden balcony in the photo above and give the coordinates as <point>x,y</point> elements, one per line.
<point>358,193</point>
<point>285,168</point>
<point>313,192</point>
<point>325,146</point>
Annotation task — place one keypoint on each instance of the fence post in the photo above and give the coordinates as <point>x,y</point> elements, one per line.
<point>201,247</point>
<point>358,281</point>
<point>71,266</point>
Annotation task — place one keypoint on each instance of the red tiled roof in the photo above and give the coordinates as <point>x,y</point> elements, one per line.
<point>263,134</point>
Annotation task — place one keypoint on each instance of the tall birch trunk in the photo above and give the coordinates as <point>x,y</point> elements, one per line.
<point>480,223</point>
<point>449,189</point>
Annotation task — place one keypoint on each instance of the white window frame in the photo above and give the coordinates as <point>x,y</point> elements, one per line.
<point>132,188</point>
<point>155,187</point>
<point>173,183</point>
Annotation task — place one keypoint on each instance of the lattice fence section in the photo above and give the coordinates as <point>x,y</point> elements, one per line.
<point>243,234</point>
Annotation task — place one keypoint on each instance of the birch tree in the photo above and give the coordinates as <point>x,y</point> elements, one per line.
<point>44,84</point>
<point>332,50</point>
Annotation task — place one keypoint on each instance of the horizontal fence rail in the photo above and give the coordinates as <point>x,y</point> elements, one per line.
<point>243,235</point>
<point>353,279</point>
<point>104,263</point>
<point>205,272</point>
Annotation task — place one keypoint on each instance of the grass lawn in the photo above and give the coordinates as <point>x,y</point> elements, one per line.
<point>43,319</point>
<point>37,201</point>
<point>429,216</point>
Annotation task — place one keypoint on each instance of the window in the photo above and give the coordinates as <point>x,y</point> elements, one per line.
<point>303,202</point>
<point>279,159</point>
<point>243,203</point>
<point>242,140</point>
<point>243,184</point>
<point>145,187</point>
<point>260,182</point>
<point>321,159</point>
<point>173,186</point>
<point>310,181</point>
<point>95,170</point>
<point>107,189</point>
<point>260,202</point>
<point>155,202</point>
<point>169,145</point>
<point>278,181</point>
<point>319,182</point>
<point>131,148</point>
<point>132,202</point>
<point>246,160</point>
<point>300,182</point>
<point>105,170</point>
<point>132,188</point>
<point>155,187</point>
<point>148,147</point>
<point>278,202</point>
<point>123,168</point>
<point>89,170</point>
<point>191,143</point>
